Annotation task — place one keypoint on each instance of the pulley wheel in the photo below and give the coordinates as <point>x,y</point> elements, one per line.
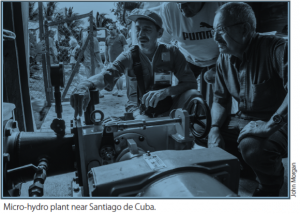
<point>200,118</point>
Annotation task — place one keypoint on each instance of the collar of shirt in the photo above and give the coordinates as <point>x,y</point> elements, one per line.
<point>157,48</point>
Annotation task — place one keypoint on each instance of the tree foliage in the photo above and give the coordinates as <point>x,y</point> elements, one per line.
<point>102,21</point>
<point>51,13</point>
<point>33,13</point>
<point>119,12</point>
<point>49,10</point>
<point>69,28</point>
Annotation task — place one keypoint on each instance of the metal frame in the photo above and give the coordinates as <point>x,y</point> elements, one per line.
<point>15,73</point>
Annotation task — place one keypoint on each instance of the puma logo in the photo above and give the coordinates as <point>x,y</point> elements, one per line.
<point>204,24</point>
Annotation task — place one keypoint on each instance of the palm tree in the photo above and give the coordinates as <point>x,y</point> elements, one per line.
<point>122,10</point>
<point>33,13</point>
<point>69,28</point>
<point>102,21</point>
<point>50,10</point>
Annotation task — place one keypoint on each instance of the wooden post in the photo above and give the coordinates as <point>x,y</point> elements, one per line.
<point>77,65</point>
<point>75,70</point>
<point>48,61</point>
<point>91,36</point>
<point>41,28</point>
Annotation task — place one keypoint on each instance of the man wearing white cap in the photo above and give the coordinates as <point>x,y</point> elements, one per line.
<point>158,63</point>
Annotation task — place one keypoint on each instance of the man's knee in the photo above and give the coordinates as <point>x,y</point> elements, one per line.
<point>187,96</point>
<point>251,149</point>
<point>192,93</point>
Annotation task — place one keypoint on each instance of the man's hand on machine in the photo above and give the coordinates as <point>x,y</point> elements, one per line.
<point>80,99</point>
<point>153,97</point>
<point>215,138</point>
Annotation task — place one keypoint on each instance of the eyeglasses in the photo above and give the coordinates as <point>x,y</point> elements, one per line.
<point>222,29</point>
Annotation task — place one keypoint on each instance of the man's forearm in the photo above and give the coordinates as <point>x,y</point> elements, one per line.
<point>282,111</point>
<point>180,88</point>
<point>218,114</point>
<point>96,81</point>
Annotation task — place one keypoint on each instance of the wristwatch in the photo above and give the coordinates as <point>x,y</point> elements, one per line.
<point>278,119</point>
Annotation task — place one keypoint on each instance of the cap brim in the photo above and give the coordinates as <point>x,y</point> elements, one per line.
<point>135,17</point>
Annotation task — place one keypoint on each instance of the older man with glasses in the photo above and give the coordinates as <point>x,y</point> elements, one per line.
<point>252,69</point>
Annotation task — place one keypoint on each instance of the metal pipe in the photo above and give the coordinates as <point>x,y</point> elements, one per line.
<point>143,124</point>
<point>114,127</point>
<point>32,147</point>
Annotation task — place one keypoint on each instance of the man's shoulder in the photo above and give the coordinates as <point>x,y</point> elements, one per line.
<point>169,6</point>
<point>264,37</point>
